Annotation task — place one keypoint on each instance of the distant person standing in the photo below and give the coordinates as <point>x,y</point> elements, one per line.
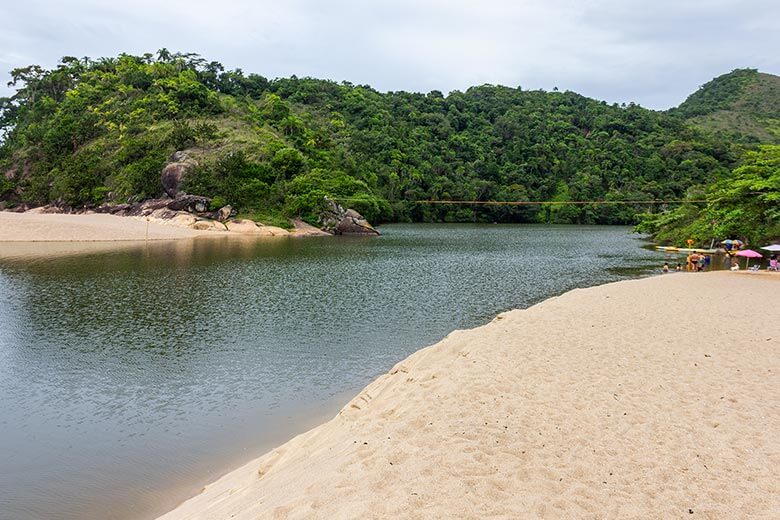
<point>706,261</point>
<point>694,261</point>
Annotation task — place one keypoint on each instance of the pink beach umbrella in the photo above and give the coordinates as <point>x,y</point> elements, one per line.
<point>749,253</point>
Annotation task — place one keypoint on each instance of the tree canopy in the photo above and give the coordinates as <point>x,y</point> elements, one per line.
<point>744,205</point>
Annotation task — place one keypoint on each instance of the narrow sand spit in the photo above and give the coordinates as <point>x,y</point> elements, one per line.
<point>30,227</point>
<point>41,227</point>
<point>656,398</point>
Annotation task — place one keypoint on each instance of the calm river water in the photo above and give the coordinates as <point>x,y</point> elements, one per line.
<point>129,379</point>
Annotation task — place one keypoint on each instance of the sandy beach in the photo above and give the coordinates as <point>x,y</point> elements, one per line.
<point>652,398</point>
<point>42,235</point>
<point>94,227</point>
<point>48,227</point>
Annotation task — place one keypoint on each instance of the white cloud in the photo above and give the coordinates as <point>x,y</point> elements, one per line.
<point>620,51</point>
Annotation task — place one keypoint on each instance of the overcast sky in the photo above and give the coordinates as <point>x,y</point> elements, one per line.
<point>654,52</point>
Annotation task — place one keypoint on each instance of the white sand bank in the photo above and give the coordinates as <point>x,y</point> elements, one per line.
<point>50,234</point>
<point>654,398</point>
<point>40,227</point>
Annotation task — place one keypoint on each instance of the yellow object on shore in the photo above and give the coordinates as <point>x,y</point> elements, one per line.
<point>574,408</point>
<point>672,249</point>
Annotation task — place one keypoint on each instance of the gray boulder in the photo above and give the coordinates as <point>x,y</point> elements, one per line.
<point>353,223</point>
<point>191,203</point>
<point>331,216</point>
<point>224,213</point>
<point>339,221</point>
<point>161,208</point>
<point>173,175</point>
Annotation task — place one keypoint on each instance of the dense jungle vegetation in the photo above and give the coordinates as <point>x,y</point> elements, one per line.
<point>90,132</point>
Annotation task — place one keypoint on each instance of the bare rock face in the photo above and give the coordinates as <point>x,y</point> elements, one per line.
<point>329,219</point>
<point>183,219</point>
<point>224,213</point>
<point>208,225</point>
<point>249,227</point>
<point>191,203</point>
<point>353,223</point>
<point>159,208</point>
<point>174,173</point>
<point>164,214</point>
<point>145,208</point>
<point>304,229</point>
<point>338,221</point>
<point>245,227</point>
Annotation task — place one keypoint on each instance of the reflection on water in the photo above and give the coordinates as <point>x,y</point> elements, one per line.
<point>129,378</point>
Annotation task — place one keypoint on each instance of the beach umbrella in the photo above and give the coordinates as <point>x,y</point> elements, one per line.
<point>773,248</point>
<point>732,246</point>
<point>748,254</point>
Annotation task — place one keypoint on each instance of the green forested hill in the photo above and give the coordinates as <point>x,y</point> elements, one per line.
<point>100,131</point>
<point>743,105</point>
<point>740,107</point>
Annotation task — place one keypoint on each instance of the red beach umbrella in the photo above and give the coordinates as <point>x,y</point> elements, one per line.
<point>749,253</point>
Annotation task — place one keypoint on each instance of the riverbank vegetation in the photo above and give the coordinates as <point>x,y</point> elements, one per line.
<point>744,204</point>
<point>91,132</point>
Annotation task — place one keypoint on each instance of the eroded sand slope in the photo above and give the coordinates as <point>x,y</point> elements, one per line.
<point>654,398</point>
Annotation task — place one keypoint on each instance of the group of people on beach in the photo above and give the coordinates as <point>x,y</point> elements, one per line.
<point>695,263</point>
<point>774,264</point>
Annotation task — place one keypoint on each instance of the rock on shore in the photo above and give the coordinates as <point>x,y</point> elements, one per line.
<point>339,221</point>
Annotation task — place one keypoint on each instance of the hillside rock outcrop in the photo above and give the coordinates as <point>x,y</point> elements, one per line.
<point>173,175</point>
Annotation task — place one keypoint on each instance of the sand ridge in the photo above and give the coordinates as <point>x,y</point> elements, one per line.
<point>653,398</point>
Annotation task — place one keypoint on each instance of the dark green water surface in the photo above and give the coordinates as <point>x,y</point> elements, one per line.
<point>129,379</point>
